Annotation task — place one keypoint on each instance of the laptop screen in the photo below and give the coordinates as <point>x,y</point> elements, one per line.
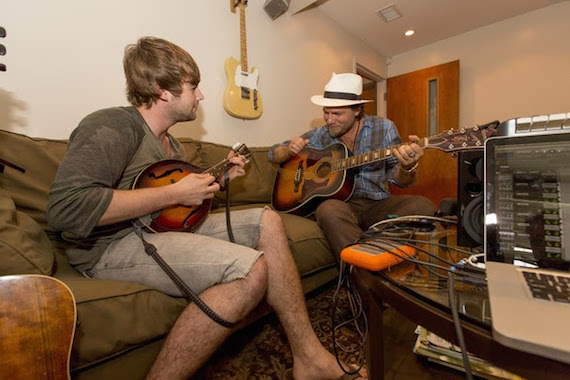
<point>527,200</point>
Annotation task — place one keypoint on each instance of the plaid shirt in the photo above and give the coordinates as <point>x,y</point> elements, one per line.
<point>376,133</point>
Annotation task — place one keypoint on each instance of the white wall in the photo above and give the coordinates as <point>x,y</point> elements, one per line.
<point>64,60</point>
<point>515,68</point>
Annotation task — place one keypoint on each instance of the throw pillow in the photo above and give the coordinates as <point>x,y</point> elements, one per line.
<point>24,246</point>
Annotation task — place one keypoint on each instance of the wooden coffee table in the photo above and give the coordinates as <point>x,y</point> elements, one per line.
<point>424,300</point>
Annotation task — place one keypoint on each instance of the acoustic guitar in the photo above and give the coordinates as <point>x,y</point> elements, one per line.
<point>179,218</point>
<point>241,98</point>
<point>314,175</point>
<point>37,326</point>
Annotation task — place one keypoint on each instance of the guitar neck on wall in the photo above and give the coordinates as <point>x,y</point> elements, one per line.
<point>241,98</point>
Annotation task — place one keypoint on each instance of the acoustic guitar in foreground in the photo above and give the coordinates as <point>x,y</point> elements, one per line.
<point>314,175</point>
<point>37,325</point>
<point>179,218</point>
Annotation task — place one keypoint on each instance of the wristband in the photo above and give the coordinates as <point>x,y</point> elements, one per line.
<point>411,170</point>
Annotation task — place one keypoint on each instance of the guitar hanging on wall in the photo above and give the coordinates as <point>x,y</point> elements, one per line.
<point>241,98</point>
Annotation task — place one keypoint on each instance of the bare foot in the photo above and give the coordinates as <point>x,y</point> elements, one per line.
<point>327,369</point>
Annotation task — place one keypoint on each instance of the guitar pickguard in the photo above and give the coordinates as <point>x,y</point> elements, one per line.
<point>245,79</point>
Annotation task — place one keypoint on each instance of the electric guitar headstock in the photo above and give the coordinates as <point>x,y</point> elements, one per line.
<point>237,3</point>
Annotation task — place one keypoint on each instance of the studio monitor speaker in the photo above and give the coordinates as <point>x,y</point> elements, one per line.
<point>470,212</point>
<point>275,8</point>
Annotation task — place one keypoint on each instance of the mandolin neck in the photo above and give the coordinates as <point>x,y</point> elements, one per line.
<point>219,168</point>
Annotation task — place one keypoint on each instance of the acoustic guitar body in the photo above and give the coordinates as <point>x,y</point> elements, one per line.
<point>37,326</point>
<point>178,218</point>
<point>307,179</point>
<point>241,98</point>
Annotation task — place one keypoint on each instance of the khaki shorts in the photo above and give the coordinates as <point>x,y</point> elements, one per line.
<point>202,259</point>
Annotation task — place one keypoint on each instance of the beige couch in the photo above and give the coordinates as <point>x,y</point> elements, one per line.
<point>122,325</point>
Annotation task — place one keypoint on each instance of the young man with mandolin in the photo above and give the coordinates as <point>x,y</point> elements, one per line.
<point>92,201</point>
<point>345,203</point>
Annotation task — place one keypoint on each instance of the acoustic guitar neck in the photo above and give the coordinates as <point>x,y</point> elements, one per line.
<point>447,141</point>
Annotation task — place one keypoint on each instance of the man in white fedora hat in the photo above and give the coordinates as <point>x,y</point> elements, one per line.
<point>344,220</point>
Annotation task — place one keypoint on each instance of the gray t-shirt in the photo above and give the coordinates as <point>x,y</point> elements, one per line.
<point>107,151</point>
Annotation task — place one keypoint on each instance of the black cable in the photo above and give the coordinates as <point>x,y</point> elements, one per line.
<point>449,247</point>
<point>473,278</point>
<point>406,256</point>
<point>228,222</point>
<point>355,304</point>
<point>457,323</point>
<point>410,259</point>
<point>151,250</point>
<point>455,268</point>
<point>416,247</point>
<point>451,293</point>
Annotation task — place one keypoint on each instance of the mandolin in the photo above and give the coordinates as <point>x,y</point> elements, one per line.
<point>241,98</point>
<point>37,326</point>
<point>179,218</point>
<point>315,175</point>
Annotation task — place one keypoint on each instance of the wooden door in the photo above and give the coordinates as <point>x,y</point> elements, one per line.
<point>410,105</point>
<point>369,93</point>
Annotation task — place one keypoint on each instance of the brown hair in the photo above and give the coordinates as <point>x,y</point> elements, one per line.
<point>153,64</point>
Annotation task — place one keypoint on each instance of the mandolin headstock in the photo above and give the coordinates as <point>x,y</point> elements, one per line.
<point>240,148</point>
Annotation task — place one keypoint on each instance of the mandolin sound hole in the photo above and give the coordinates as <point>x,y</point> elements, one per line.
<point>324,170</point>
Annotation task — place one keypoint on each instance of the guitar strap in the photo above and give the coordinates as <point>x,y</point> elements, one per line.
<point>228,222</point>
<point>151,250</point>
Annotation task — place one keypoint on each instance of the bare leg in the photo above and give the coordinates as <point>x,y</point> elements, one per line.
<point>284,293</point>
<point>195,337</point>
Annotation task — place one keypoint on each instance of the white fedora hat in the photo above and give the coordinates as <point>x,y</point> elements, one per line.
<point>341,91</point>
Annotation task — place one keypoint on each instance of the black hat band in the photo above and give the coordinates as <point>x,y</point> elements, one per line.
<point>342,95</point>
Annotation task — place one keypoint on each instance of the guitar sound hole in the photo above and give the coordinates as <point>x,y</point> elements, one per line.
<point>324,170</point>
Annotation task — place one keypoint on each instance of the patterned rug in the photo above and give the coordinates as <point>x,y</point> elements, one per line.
<point>261,351</point>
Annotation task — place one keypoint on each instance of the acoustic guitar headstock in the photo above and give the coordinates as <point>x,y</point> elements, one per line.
<point>464,138</point>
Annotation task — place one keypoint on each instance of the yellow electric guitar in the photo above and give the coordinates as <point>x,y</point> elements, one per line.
<point>241,98</point>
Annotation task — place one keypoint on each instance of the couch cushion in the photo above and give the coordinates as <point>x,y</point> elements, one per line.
<point>114,317</point>
<point>309,246</point>
<point>40,159</point>
<point>24,246</point>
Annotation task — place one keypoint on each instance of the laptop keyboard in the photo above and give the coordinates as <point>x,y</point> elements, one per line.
<point>547,286</point>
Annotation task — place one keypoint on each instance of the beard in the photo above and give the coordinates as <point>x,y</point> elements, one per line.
<point>181,115</point>
<point>338,130</point>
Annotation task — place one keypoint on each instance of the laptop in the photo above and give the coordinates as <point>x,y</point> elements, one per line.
<point>527,241</point>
